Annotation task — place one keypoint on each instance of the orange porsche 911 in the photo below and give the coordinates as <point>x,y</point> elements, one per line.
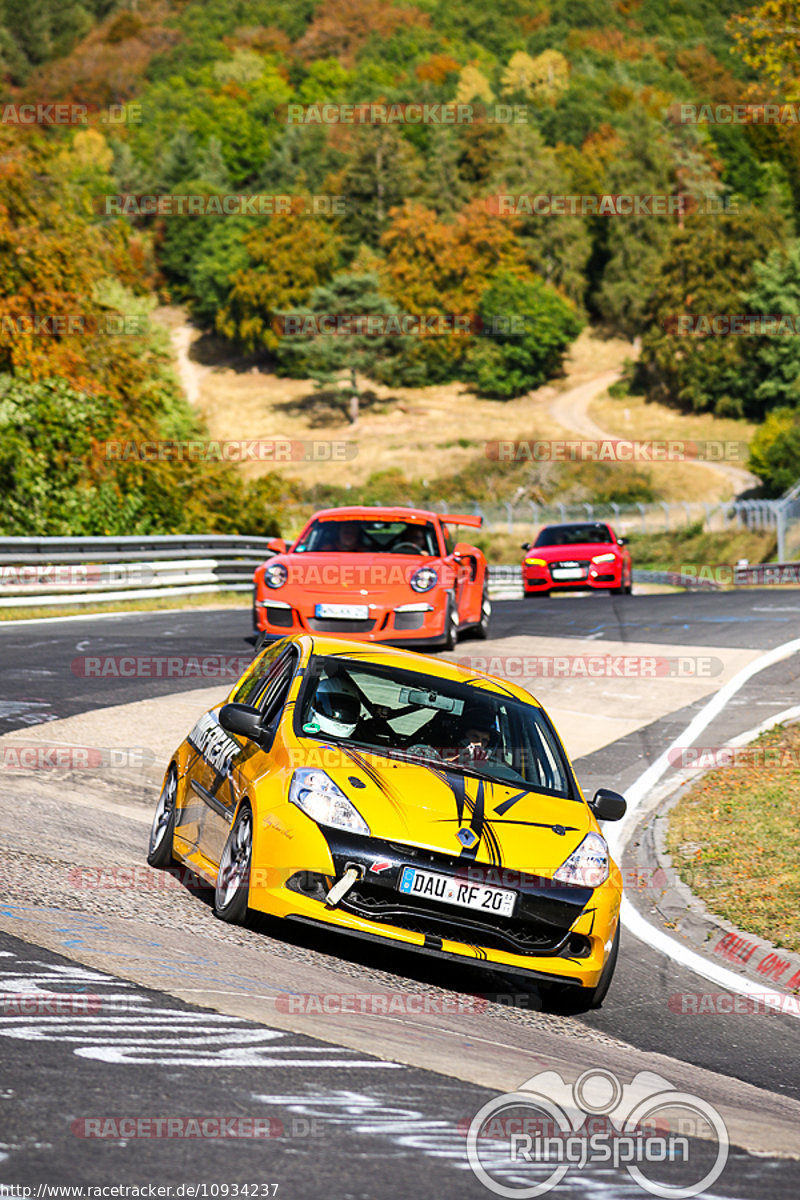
<point>376,574</point>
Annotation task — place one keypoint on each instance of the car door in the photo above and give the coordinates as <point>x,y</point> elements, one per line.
<point>457,571</point>
<point>211,791</point>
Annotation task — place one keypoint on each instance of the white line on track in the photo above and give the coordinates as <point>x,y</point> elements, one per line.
<point>618,838</point>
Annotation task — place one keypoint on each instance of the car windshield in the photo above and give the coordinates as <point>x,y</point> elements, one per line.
<point>574,535</point>
<point>445,724</point>
<point>384,537</point>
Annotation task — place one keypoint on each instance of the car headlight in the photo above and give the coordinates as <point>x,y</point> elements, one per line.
<point>275,576</point>
<point>604,557</point>
<point>588,865</point>
<point>535,562</point>
<point>320,798</point>
<point>424,579</point>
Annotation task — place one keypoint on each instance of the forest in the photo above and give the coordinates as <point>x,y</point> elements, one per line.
<point>349,156</point>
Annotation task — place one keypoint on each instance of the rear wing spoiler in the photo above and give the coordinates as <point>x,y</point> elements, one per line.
<point>462,519</point>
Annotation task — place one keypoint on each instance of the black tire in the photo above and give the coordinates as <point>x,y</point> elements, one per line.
<point>595,996</point>
<point>450,624</point>
<point>233,877</point>
<point>159,853</point>
<point>482,628</point>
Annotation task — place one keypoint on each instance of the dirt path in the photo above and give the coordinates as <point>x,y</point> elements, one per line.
<point>412,431</point>
<point>190,373</point>
<point>571,409</point>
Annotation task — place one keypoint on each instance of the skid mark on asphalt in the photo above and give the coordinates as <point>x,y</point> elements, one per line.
<point>113,1021</point>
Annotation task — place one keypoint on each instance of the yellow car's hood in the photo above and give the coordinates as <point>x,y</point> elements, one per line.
<point>426,806</point>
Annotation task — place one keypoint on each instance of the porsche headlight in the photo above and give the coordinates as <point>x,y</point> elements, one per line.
<point>320,798</point>
<point>275,576</point>
<point>588,865</point>
<point>604,557</point>
<point>424,579</point>
<point>535,562</point>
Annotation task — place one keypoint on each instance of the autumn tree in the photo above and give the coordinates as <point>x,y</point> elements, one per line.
<point>707,266</point>
<point>286,259</point>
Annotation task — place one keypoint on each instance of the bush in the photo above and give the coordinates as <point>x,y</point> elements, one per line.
<point>527,328</point>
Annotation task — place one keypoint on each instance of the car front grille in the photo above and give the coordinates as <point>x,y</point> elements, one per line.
<point>455,923</point>
<point>339,625</point>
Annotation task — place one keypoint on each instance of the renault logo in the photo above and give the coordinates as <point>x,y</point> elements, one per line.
<point>468,837</point>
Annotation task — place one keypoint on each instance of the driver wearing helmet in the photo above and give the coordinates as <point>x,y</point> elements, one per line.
<point>335,708</point>
<point>478,738</point>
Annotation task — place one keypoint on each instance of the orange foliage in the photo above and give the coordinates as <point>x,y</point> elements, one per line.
<point>50,261</point>
<point>437,267</point>
<point>436,69</point>
<point>263,39</point>
<point>614,43</point>
<point>536,21</point>
<point>108,65</point>
<point>341,27</point>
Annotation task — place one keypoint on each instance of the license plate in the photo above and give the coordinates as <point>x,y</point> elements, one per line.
<point>346,612</point>
<point>567,572</point>
<point>430,885</point>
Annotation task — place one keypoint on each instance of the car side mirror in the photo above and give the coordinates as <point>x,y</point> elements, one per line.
<point>277,545</point>
<point>607,805</point>
<point>243,720</point>
<point>622,541</point>
<point>462,550</point>
<point>527,545</point>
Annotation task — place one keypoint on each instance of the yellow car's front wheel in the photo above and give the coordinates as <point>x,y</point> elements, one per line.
<point>159,852</point>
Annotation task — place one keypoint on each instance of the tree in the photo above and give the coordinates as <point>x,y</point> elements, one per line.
<point>775,451</point>
<point>287,258</point>
<point>541,79</point>
<point>527,328</point>
<point>555,247</point>
<point>383,169</point>
<point>334,361</point>
<point>708,264</point>
<point>773,362</point>
<point>635,243</point>
<point>768,40</point>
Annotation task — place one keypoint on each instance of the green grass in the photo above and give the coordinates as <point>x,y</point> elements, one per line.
<point>692,548</point>
<point>168,603</point>
<point>734,838</point>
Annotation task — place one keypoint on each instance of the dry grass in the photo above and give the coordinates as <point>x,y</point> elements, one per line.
<point>433,432</point>
<point>635,418</point>
<point>734,838</point>
<point>424,432</point>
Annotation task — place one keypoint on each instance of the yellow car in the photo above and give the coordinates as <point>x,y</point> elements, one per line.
<point>403,800</point>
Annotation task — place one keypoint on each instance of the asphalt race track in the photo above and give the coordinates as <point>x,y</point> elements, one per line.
<point>374,1108</point>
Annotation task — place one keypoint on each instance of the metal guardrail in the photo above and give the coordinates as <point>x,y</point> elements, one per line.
<point>38,572</point>
<point>57,571</point>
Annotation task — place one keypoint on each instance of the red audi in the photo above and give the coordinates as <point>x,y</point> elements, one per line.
<point>577,556</point>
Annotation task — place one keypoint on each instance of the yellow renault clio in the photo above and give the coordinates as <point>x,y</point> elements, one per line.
<point>401,799</point>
